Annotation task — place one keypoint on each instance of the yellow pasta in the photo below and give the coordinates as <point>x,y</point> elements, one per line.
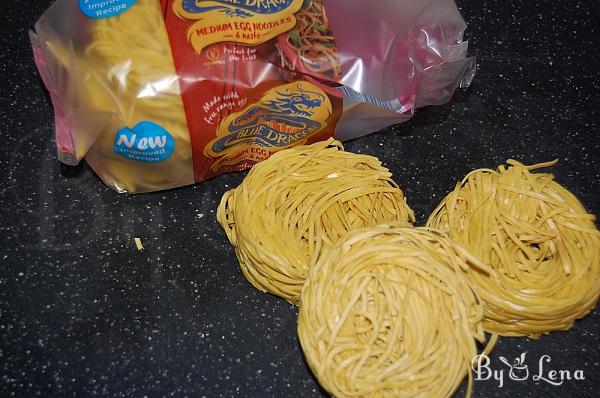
<point>541,243</point>
<point>299,201</point>
<point>126,75</point>
<point>388,312</point>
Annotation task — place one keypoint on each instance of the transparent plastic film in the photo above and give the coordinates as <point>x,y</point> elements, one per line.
<point>113,74</point>
<point>160,94</point>
<point>398,55</point>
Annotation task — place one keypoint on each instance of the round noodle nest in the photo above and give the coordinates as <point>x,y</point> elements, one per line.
<point>388,312</point>
<point>299,201</point>
<point>541,243</point>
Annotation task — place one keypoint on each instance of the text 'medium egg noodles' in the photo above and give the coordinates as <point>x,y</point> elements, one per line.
<point>160,94</point>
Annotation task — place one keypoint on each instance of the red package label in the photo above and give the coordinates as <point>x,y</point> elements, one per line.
<point>240,105</point>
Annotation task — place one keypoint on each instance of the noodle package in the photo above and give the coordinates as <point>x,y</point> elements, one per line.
<point>159,94</point>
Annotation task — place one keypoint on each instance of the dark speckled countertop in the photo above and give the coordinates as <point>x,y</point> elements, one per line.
<point>83,313</point>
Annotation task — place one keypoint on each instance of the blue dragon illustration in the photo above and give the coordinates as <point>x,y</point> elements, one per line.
<point>241,10</point>
<point>259,123</point>
<point>193,7</point>
<point>289,103</point>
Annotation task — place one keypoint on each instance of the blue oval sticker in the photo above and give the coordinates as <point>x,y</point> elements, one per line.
<point>104,8</point>
<point>147,142</point>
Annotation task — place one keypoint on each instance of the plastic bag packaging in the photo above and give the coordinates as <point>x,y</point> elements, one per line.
<point>160,94</point>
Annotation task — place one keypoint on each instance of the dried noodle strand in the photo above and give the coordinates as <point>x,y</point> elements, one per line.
<point>540,241</point>
<point>299,201</point>
<point>388,312</point>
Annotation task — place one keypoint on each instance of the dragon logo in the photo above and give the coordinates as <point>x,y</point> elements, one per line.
<point>245,8</point>
<point>286,115</point>
<point>300,103</point>
<point>197,7</point>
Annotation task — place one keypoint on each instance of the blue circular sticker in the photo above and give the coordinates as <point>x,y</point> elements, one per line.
<point>104,8</point>
<point>146,142</point>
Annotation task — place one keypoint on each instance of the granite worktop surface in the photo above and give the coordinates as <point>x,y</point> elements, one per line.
<point>83,313</point>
